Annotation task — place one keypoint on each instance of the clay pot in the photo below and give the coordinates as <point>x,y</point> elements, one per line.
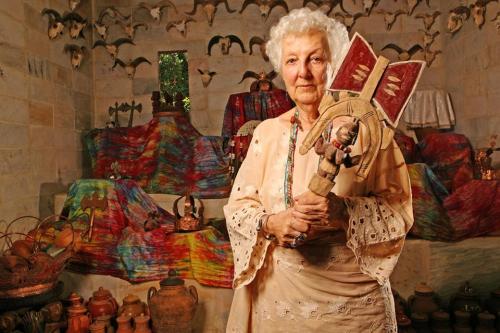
<point>462,322</point>
<point>172,308</point>
<point>420,321</point>
<point>133,306</point>
<point>124,324</point>
<point>142,324</point>
<point>97,328</point>
<point>106,321</point>
<point>466,300</point>
<point>441,322</point>
<point>493,303</point>
<point>424,300</point>
<point>486,323</point>
<point>78,319</point>
<point>102,303</point>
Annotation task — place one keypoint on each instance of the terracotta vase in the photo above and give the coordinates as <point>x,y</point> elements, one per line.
<point>133,306</point>
<point>142,324</point>
<point>172,308</point>
<point>420,322</point>
<point>106,320</point>
<point>102,303</point>
<point>441,322</point>
<point>462,322</point>
<point>124,325</point>
<point>97,328</point>
<point>78,319</point>
<point>467,299</point>
<point>424,300</point>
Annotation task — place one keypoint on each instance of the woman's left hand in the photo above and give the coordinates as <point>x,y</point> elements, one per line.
<point>312,208</point>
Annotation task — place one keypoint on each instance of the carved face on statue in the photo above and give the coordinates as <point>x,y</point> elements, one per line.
<point>304,65</point>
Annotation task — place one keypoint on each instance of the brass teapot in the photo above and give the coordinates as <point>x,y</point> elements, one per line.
<point>172,308</point>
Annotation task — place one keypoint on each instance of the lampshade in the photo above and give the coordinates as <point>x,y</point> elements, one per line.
<point>429,108</point>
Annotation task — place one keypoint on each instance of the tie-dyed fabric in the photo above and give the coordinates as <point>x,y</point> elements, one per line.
<point>166,155</point>
<point>121,247</point>
<point>430,219</point>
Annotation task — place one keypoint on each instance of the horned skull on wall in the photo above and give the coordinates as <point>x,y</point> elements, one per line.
<point>349,20</point>
<point>180,25</point>
<point>113,13</point>
<point>456,18</point>
<point>225,43</point>
<point>56,23</point>
<point>496,19</point>
<point>131,66</point>
<point>156,11</point>
<point>478,9</point>
<point>263,81</point>
<point>412,4</point>
<point>130,28</point>
<point>262,46</point>
<point>265,6</point>
<point>390,17</point>
<point>209,8</point>
<point>429,37</point>
<point>76,25</point>
<point>76,53</point>
<point>112,48</point>
<point>428,19</point>
<point>206,76</point>
<point>368,5</point>
<point>403,54</point>
<point>326,5</point>
<point>73,4</point>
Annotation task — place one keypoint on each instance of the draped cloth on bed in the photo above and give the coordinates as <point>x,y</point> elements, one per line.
<point>121,247</point>
<point>166,155</point>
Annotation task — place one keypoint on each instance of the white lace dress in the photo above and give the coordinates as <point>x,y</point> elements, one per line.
<point>339,283</point>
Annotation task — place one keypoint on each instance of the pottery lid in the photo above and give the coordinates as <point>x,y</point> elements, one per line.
<point>101,293</point>
<point>77,308</point>
<point>131,299</point>
<point>74,298</point>
<point>416,316</point>
<point>440,315</point>
<point>423,288</point>
<point>485,316</point>
<point>462,314</point>
<point>172,279</point>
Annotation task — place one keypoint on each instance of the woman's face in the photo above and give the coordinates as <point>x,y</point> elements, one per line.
<point>303,66</point>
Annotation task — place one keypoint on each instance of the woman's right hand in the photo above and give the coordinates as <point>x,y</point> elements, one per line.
<point>285,227</point>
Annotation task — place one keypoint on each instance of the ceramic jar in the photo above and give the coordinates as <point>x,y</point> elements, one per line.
<point>486,323</point>
<point>420,322</point>
<point>133,306</point>
<point>142,324</point>
<point>78,318</point>
<point>124,325</point>
<point>462,322</point>
<point>106,320</point>
<point>466,300</point>
<point>102,303</point>
<point>424,300</point>
<point>97,327</point>
<point>441,322</point>
<point>493,303</point>
<point>172,308</point>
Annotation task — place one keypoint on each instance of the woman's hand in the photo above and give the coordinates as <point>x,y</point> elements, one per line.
<point>285,227</point>
<point>315,209</point>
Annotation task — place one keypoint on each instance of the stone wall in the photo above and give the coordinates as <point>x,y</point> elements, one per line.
<point>45,106</point>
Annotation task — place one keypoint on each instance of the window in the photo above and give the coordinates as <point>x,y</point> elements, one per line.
<point>174,76</point>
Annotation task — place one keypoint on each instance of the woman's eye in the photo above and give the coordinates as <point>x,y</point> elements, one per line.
<point>317,59</point>
<point>291,61</point>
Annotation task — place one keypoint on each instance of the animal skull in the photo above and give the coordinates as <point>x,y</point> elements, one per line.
<point>102,30</point>
<point>478,15</point>
<point>264,10</point>
<point>55,29</point>
<point>225,44</point>
<point>209,10</point>
<point>76,28</point>
<point>76,54</point>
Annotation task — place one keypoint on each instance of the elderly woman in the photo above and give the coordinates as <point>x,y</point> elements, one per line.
<point>337,280</point>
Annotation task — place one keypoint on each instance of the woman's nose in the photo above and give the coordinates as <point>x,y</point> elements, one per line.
<point>304,71</point>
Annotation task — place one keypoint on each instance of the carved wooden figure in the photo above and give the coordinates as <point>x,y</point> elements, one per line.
<point>112,48</point>
<point>265,6</point>
<point>225,43</point>
<point>428,19</point>
<point>326,5</point>
<point>390,17</point>
<point>209,8</point>
<point>130,66</point>
<point>180,25</point>
<point>156,11</point>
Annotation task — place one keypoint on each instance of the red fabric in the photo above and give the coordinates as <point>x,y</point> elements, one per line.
<point>474,208</point>
<point>450,157</point>
<point>408,147</point>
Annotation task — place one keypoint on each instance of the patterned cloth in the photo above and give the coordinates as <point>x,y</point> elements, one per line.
<point>166,155</point>
<point>259,105</point>
<point>122,248</point>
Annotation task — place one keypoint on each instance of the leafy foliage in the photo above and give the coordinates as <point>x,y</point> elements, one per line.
<point>174,75</point>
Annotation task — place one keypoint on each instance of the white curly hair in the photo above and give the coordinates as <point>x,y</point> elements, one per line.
<point>303,20</point>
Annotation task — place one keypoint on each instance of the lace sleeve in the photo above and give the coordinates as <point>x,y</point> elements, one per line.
<point>242,212</point>
<point>379,222</point>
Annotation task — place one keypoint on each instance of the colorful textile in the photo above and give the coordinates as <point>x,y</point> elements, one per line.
<point>430,219</point>
<point>450,157</point>
<point>408,147</point>
<point>259,105</point>
<point>474,208</point>
<point>166,155</point>
<point>121,247</point>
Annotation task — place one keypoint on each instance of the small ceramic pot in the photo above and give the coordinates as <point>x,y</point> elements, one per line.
<point>142,324</point>
<point>467,299</point>
<point>424,300</point>
<point>124,325</point>
<point>102,303</point>
<point>133,306</point>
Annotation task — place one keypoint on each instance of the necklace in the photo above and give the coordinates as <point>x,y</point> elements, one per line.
<point>292,143</point>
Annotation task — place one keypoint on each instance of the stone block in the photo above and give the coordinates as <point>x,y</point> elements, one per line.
<point>35,20</point>
<point>41,137</point>
<point>11,30</point>
<point>81,82</point>
<point>16,208</point>
<point>83,111</point>
<point>14,161</point>
<point>13,83</point>
<point>41,114</point>
<point>14,110</point>
<point>14,9</point>
<point>15,187</point>
<point>64,116</point>
<point>37,43</point>
<point>61,75</point>
<point>63,96</point>
<point>13,136</point>
<point>117,88</point>
<point>41,90</point>
<point>38,67</point>
<point>12,56</point>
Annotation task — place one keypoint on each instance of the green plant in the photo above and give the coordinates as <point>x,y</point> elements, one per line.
<point>174,76</point>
